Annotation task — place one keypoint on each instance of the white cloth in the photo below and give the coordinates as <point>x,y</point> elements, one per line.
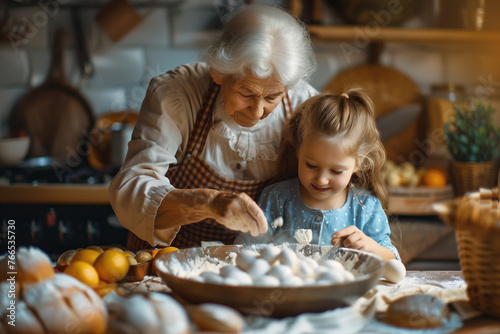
<point>360,317</point>
<point>160,137</point>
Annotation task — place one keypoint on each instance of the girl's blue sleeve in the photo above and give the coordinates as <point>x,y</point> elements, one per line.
<point>377,225</point>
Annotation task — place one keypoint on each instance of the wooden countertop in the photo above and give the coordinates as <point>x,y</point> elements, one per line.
<point>54,194</point>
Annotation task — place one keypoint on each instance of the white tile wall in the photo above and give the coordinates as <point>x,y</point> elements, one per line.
<point>123,69</point>
<point>14,66</point>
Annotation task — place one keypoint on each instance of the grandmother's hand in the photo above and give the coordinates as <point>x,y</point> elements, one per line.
<point>238,212</point>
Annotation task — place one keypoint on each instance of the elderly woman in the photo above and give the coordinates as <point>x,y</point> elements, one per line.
<point>206,140</point>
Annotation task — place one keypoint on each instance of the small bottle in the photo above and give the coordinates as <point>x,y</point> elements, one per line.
<point>440,109</point>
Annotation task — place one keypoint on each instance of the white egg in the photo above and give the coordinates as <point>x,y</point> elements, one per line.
<point>323,282</point>
<point>198,278</point>
<point>267,280</point>
<point>304,270</point>
<point>227,270</point>
<point>270,253</point>
<point>236,273</point>
<point>348,276</point>
<point>212,277</point>
<point>394,271</point>
<point>281,272</point>
<point>292,280</point>
<point>311,262</point>
<point>320,270</point>
<point>333,264</point>
<point>288,258</point>
<point>258,268</point>
<point>332,276</point>
<point>245,258</point>
<point>309,281</point>
<point>231,281</point>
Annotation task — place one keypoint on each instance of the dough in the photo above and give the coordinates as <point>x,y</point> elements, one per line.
<point>303,236</point>
<point>417,311</point>
<point>278,222</point>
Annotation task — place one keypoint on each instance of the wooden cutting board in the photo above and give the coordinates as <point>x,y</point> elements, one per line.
<point>56,115</point>
<point>389,89</point>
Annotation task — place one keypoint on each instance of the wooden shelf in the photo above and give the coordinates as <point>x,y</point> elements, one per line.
<point>55,194</point>
<point>372,34</point>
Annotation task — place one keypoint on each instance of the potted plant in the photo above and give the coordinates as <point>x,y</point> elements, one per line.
<point>474,143</point>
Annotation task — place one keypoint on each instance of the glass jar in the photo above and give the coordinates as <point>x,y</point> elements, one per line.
<point>439,111</point>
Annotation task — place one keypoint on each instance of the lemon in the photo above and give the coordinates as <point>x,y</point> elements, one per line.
<point>112,265</point>
<point>83,271</point>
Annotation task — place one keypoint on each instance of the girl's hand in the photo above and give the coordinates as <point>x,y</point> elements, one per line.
<point>238,212</point>
<point>352,237</point>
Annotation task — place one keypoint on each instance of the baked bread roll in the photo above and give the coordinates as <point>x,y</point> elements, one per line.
<point>49,303</point>
<point>146,313</point>
<point>216,318</point>
<point>417,312</point>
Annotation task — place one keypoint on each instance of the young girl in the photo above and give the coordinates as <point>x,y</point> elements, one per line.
<point>330,160</point>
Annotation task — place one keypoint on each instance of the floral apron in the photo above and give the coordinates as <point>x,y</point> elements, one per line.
<point>193,172</point>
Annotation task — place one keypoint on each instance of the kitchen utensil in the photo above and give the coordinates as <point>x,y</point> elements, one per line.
<point>85,63</point>
<point>56,115</point>
<point>117,18</point>
<point>270,301</point>
<point>393,123</point>
<point>389,90</point>
<point>109,139</point>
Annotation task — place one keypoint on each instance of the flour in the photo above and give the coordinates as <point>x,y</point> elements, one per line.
<point>193,267</point>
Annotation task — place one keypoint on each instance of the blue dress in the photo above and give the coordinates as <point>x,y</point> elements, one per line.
<point>361,209</point>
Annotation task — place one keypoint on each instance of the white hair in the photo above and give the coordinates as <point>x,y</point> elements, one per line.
<point>266,41</point>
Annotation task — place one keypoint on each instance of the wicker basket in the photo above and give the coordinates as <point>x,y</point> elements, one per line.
<point>479,255</point>
<point>470,176</point>
<point>476,219</point>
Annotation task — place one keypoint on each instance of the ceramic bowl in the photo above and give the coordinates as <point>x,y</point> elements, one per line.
<point>175,268</point>
<point>13,150</point>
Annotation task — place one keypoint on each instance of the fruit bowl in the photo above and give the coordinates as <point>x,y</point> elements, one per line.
<point>13,150</point>
<point>269,301</point>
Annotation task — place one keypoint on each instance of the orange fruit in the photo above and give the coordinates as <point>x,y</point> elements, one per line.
<point>435,177</point>
<point>86,255</point>
<point>165,251</point>
<point>104,288</point>
<point>84,272</point>
<point>112,265</point>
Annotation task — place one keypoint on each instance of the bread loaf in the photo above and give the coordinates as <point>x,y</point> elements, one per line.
<point>146,313</point>
<point>418,312</point>
<point>49,303</point>
<point>216,318</point>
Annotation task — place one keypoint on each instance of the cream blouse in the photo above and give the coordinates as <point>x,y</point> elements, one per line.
<point>160,137</point>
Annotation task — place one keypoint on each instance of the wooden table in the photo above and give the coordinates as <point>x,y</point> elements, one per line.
<point>449,279</point>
